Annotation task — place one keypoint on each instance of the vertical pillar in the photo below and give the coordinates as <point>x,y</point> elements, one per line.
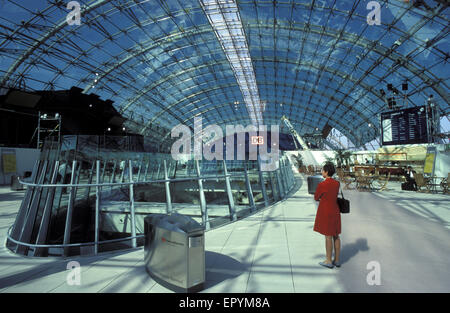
<point>251,201</point>
<point>203,207</point>
<point>231,207</point>
<point>18,224</point>
<point>272,185</point>
<point>30,218</point>
<point>97,206</point>
<point>133,215</point>
<point>263,186</point>
<point>68,226</point>
<point>167,184</point>
<point>280,183</point>
<point>45,220</point>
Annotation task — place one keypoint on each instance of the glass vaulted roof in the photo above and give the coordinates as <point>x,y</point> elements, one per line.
<point>163,62</point>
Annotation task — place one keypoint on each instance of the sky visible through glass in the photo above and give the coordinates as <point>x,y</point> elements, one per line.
<point>319,63</point>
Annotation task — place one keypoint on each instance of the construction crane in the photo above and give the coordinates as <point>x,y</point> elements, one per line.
<point>295,135</point>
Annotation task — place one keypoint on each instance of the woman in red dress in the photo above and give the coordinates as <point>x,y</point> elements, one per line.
<point>328,216</point>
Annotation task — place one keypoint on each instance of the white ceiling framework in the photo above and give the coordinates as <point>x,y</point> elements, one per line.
<point>224,18</point>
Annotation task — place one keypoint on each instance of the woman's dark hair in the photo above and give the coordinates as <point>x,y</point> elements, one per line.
<point>329,168</point>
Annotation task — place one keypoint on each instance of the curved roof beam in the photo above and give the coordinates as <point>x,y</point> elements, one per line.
<point>46,36</point>
<point>312,91</point>
<point>294,117</point>
<point>377,47</point>
<point>355,40</point>
<point>333,71</point>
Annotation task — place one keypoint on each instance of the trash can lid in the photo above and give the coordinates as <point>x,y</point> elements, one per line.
<point>174,222</point>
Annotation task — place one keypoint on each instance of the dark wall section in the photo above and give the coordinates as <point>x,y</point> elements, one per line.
<point>81,114</point>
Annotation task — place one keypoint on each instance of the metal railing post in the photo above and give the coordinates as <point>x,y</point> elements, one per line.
<point>203,207</point>
<point>251,201</point>
<point>263,186</point>
<point>280,183</point>
<point>17,228</point>
<point>231,206</point>
<point>97,206</point>
<point>30,218</point>
<point>286,176</point>
<point>272,185</point>
<point>167,184</point>
<point>283,177</point>
<point>45,220</point>
<point>133,216</point>
<point>68,226</point>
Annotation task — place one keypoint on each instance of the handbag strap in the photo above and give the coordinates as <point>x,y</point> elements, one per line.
<point>341,191</point>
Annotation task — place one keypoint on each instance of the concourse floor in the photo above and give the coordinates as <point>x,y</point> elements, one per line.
<point>402,238</point>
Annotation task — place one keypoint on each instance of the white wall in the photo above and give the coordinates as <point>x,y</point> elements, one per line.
<point>442,165</point>
<point>25,159</point>
<point>316,158</point>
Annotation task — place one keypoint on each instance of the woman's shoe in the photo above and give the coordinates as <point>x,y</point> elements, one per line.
<point>337,264</point>
<point>328,265</point>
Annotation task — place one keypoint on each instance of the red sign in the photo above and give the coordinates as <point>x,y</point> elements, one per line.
<point>257,140</point>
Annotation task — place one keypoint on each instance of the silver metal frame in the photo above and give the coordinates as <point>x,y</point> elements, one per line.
<point>28,210</point>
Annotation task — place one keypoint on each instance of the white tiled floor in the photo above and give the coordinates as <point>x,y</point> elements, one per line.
<point>275,250</point>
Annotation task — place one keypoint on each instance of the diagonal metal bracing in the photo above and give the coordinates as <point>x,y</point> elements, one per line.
<point>224,17</point>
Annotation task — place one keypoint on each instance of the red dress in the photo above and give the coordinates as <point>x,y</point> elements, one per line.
<point>328,216</point>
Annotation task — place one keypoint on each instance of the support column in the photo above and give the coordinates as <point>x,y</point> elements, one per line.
<point>203,207</point>
<point>263,186</point>
<point>97,207</point>
<point>167,184</point>
<point>133,215</point>
<point>280,183</point>
<point>231,206</point>
<point>251,201</point>
<point>68,226</point>
<point>45,220</point>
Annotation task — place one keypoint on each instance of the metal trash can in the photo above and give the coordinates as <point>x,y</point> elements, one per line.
<point>174,251</point>
<point>313,181</point>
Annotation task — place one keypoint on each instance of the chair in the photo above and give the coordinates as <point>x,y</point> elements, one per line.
<point>445,184</point>
<point>383,181</point>
<point>422,182</point>
<point>343,179</point>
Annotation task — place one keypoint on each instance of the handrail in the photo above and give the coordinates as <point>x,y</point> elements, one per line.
<point>124,183</point>
<point>283,186</point>
<point>30,245</point>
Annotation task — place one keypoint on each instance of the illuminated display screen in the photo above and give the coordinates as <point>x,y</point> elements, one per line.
<point>406,126</point>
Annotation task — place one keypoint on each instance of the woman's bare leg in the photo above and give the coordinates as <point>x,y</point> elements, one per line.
<point>329,248</point>
<point>337,248</point>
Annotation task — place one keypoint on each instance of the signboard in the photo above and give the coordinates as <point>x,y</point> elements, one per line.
<point>9,163</point>
<point>405,126</point>
<point>392,156</point>
<point>430,159</point>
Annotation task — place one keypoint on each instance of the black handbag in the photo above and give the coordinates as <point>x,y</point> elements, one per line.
<point>344,204</point>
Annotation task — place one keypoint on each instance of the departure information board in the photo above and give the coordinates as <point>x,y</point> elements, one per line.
<point>406,126</point>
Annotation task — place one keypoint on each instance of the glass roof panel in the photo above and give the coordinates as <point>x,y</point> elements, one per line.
<point>162,62</point>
